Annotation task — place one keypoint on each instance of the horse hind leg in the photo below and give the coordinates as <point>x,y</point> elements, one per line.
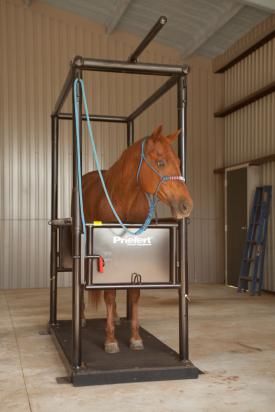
<point>111,344</point>
<point>135,340</point>
<point>116,316</point>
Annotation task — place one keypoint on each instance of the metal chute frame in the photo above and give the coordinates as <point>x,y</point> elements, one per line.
<point>176,77</point>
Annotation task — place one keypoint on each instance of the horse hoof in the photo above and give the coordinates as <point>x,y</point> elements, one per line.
<point>136,344</point>
<point>83,323</point>
<point>117,321</point>
<point>111,347</point>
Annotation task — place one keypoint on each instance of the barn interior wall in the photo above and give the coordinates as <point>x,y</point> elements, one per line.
<point>36,46</point>
<point>249,132</point>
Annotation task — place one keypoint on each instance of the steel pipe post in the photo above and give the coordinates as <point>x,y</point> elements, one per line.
<point>183,252</point>
<point>76,234</point>
<point>130,141</point>
<point>130,133</point>
<point>148,38</point>
<point>54,215</point>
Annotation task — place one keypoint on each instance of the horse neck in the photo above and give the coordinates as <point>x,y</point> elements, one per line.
<point>122,181</point>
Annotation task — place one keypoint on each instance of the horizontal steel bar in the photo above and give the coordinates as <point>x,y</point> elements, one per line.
<point>152,99</point>
<point>64,269</point>
<point>115,66</point>
<point>132,286</point>
<point>96,118</point>
<point>67,85</point>
<point>162,223</point>
<point>149,37</point>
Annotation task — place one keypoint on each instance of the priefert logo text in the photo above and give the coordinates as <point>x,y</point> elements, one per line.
<point>133,241</point>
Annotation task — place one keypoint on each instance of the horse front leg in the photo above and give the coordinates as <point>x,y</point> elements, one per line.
<point>135,341</point>
<point>116,316</point>
<point>111,345</point>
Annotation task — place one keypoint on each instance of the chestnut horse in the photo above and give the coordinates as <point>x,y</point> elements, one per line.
<point>128,195</point>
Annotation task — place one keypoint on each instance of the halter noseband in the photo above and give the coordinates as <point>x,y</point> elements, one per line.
<point>162,178</point>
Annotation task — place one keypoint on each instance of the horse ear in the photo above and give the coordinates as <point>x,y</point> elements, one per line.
<point>157,131</point>
<point>172,137</point>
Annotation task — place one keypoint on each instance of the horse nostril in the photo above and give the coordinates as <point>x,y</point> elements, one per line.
<point>183,207</point>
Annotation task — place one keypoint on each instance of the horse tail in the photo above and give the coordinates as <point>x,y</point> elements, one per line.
<point>94,297</point>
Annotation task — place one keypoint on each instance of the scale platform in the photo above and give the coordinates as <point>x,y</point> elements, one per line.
<point>157,362</point>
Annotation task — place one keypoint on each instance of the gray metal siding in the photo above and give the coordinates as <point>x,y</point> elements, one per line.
<point>249,132</point>
<point>205,150</point>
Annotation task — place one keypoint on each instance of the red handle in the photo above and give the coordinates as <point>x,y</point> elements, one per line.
<point>100,264</point>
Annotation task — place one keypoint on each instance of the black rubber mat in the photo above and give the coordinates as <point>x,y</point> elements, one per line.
<point>156,362</point>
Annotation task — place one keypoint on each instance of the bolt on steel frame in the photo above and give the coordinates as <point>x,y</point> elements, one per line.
<point>176,77</point>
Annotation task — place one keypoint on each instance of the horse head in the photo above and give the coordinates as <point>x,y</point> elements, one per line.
<point>161,160</point>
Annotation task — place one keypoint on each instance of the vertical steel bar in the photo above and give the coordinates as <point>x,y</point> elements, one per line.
<point>54,214</point>
<point>76,235</point>
<point>173,254</point>
<point>183,252</point>
<point>89,251</point>
<point>130,141</point>
<point>130,133</point>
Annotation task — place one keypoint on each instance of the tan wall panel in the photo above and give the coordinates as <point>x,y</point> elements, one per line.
<point>205,149</point>
<point>249,132</point>
<point>259,32</point>
<point>36,45</point>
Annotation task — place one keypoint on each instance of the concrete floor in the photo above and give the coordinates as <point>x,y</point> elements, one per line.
<point>232,340</point>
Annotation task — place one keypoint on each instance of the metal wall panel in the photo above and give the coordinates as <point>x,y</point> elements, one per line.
<point>205,150</point>
<point>249,132</point>
<point>37,44</point>
<point>264,28</point>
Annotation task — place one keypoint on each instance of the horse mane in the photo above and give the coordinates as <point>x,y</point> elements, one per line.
<point>122,169</point>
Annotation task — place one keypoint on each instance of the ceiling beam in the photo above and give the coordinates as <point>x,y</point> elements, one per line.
<point>266,5</point>
<point>211,28</point>
<point>119,10</point>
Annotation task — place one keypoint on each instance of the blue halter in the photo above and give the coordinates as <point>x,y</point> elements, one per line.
<point>153,198</point>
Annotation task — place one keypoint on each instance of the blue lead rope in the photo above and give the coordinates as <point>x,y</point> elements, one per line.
<point>151,200</point>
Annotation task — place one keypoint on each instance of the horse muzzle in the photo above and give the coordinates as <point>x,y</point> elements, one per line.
<point>181,209</point>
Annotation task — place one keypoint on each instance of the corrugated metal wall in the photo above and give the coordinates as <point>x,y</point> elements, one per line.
<point>249,132</point>
<point>205,150</point>
<point>36,45</point>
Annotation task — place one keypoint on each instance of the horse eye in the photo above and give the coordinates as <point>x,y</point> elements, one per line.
<point>160,163</point>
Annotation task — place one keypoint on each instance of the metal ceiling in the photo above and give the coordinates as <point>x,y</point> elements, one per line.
<point>205,27</point>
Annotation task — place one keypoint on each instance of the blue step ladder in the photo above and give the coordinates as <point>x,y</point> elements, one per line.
<point>252,266</point>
